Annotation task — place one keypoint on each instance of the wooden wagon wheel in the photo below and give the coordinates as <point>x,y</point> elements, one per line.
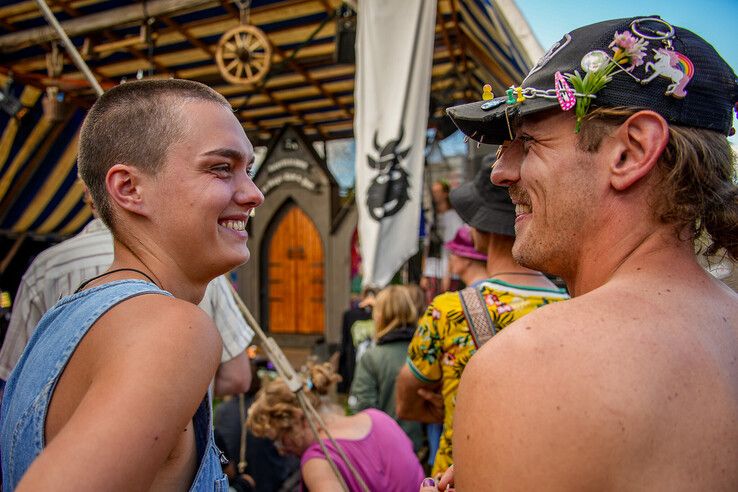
<point>243,55</point>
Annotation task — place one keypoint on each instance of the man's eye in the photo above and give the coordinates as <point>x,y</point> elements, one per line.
<point>527,141</point>
<point>221,168</point>
<point>251,172</point>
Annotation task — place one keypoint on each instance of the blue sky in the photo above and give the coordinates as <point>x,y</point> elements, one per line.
<point>714,20</point>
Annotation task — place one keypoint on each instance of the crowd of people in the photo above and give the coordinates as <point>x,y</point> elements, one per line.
<point>488,377</point>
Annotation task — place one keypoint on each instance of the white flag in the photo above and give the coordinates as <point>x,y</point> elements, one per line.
<point>394,57</point>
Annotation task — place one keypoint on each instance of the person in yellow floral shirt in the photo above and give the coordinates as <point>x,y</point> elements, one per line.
<point>442,344</point>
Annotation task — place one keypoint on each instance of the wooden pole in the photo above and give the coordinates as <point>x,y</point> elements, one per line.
<point>71,49</point>
<point>11,254</point>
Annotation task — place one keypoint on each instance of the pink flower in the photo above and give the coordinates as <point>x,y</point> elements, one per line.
<point>628,49</point>
<point>624,40</point>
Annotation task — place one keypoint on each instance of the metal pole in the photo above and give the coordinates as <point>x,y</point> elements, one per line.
<point>71,49</point>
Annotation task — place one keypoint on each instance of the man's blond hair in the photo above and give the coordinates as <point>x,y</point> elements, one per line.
<point>696,190</point>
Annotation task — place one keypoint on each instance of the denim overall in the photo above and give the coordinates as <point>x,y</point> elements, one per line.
<point>31,385</point>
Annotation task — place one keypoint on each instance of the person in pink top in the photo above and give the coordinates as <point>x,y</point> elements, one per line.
<point>374,443</point>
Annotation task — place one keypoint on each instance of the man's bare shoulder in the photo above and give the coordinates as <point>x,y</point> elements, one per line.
<point>627,339</point>
<point>131,389</point>
<point>623,318</point>
<point>160,329</point>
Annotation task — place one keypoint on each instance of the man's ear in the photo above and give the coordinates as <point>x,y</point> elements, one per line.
<point>640,141</point>
<point>123,183</point>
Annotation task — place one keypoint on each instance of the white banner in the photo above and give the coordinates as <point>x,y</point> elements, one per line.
<point>394,57</point>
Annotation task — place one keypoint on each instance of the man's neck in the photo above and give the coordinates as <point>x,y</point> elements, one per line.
<point>502,266</point>
<point>657,251</point>
<point>161,269</point>
<point>474,273</point>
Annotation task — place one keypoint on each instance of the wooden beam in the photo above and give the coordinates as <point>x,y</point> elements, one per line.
<point>97,22</point>
<point>40,82</point>
<point>504,78</point>
<point>459,36</point>
<point>8,26</point>
<point>285,108</point>
<point>113,38</point>
<point>337,114</point>
<point>444,33</point>
<point>326,6</point>
<point>193,40</point>
<point>337,127</point>
<point>299,69</point>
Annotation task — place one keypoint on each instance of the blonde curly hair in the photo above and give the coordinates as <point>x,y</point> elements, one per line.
<point>276,410</point>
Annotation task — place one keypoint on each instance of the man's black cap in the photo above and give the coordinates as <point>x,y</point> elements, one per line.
<point>484,206</point>
<point>711,92</point>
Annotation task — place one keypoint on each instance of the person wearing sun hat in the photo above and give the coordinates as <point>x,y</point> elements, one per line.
<point>443,342</point>
<point>464,261</point>
<point>615,154</point>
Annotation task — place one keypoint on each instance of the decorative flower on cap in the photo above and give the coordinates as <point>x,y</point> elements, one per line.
<point>599,67</point>
<point>628,49</point>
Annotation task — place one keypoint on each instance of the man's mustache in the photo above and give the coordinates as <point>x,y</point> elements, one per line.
<point>517,194</point>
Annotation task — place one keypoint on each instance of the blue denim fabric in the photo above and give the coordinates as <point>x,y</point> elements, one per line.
<point>31,385</point>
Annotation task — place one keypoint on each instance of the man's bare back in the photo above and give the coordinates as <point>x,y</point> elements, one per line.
<point>608,391</point>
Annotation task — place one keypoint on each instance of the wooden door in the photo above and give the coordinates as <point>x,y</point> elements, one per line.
<point>295,276</point>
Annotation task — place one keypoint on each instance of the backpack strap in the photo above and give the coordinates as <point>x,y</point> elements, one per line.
<point>480,323</point>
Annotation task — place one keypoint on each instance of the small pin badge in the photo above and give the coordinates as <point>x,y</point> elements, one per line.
<point>594,61</point>
<point>492,104</point>
<point>674,66</point>
<point>510,95</point>
<point>519,92</point>
<point>487,92</point>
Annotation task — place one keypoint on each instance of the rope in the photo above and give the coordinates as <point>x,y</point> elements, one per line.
<point>243,7</point>
<point>286,372</point>
<point>305,404</point>
<point>345,458</point>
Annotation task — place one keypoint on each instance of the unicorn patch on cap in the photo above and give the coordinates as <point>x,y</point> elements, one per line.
<point>672,65</point>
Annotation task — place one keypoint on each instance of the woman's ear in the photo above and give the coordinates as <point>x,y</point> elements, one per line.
<point>123,183</point>
<point>640,141</point>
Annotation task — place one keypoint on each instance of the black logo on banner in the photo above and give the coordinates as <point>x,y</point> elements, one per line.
<point>387,193</point>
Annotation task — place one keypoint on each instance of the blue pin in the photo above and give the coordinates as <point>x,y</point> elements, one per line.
<point>487,105</point>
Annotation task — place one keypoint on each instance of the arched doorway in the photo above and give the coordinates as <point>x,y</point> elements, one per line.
<point>294,267</point>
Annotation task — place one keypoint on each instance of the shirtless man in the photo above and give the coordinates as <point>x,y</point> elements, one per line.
<point>632,384</point>
<point>111,392</point>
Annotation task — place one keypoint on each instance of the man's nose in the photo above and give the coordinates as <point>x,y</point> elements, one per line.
<point>248,193</point>
<point>505,171</point>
